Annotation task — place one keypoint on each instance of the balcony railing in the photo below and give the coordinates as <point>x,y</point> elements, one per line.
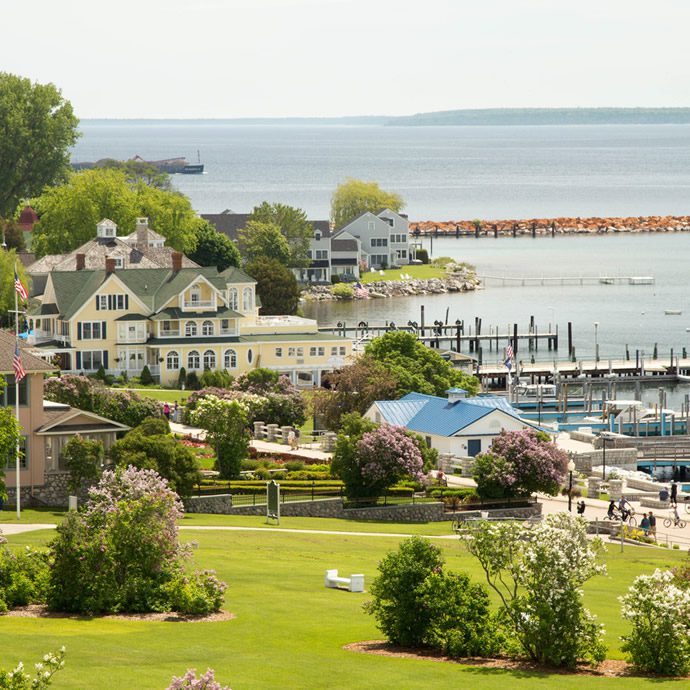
<point>199,304</point>
<point>169,334</point>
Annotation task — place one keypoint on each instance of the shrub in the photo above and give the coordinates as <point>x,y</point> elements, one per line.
<point>19,679</point>
<point>189,681</point>
<point>519,464</point>
<point>422,255</point>
<point>23,577</point>
<point>145,377</point>
<point>343,291</point>
<point>538,574</point>
<point>83,458</point>
<point>658,607</point>
<point>182,378</point>
<point>122,553</point>
<point>335,279</point>
<point>416,603</point>
<point>193,381</point>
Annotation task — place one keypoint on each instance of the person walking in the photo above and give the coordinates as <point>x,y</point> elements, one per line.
<point>674,494</point>
<point>581,508</point>
<point>166,411</point>
<point>652,525</point>
<point>644,524</point>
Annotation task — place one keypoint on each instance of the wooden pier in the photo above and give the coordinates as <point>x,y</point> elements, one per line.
<point>567,280</point>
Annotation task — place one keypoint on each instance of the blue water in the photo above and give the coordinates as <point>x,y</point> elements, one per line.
<point>442,172</point>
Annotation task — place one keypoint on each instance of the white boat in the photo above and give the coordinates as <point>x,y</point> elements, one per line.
<point>607,280</point>
<point>673,312</point>
<point>641,280</point>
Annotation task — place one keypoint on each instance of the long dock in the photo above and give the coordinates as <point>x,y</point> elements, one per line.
<point>567,280</point>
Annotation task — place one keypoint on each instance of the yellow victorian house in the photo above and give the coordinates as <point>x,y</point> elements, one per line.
<point>166,319</point>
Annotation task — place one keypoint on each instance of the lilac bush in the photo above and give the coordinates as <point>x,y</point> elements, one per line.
<point>122,553</point>
<point>189,681</point>
<point>19,679</point>
<point>519,464</point>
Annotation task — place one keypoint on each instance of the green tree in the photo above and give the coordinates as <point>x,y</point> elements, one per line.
<point>353,197</point>
<point>140,171</point>
<point>418,368</point>
<point>12,234</point>
<point>8,260</point>
<point>9,434</point>
<point>37,130</point>
<point>149,447</point>
<point>294,226</point>
<point>276,286</point>
<point>354,389</point>
<point>213,248</point>
<point>260,240</point>
<point>83,458</point>
<point>69,212</point>
<point>226,422</point>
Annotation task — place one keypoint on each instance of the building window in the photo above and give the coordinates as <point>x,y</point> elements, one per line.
<point>119,301</point>
<point>343,351</point>
<point>193,360</point>
<point>91,360</point>
<point>246,299</point>
<point>334,352</point>
<point>195,295</point>
<point>371,225</point>
<point>379,242</point>
<point>295,352</point>
<point>230,359</point>
<point>190,329</point>
<point>317,236</point>
<point>279,352</point>
<point>7,396</point>
<point>11,461</point>
<point>232,298</point>
<point>172,361</point>
<point>316,351</point>
<point>167,328</point>
<point>207,328</point>
<point>102,301</point>
<point>119,262</point>
<point>209,359</point>
<point>91,330</point>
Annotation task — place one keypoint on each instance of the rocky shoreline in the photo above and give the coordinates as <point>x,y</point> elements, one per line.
<point>383,289</point>
<point>552,226</point>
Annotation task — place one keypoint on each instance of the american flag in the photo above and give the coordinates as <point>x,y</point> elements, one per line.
<point>509,357</point>
<point>19,287</point>
<point>19,372</point>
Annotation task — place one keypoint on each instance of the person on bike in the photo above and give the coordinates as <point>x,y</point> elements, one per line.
<point>611,515</point>
<point>625,508</point>
<point>676,517</point>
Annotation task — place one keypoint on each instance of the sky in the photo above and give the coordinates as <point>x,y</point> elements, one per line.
<point>275,58</point>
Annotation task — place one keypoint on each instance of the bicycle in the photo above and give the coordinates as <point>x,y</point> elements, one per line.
<point>669,522</point>
<point>630,519</point>
<point>687,504</point>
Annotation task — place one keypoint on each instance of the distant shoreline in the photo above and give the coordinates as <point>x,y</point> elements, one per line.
<point>464,117</point>
<point>547,227</point>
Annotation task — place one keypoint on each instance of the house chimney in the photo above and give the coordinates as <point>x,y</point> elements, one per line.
<point>109,265</point>
<point>81,262</point>
<point>142,230</point>
<point>176,262</point>
<point>456,394</point>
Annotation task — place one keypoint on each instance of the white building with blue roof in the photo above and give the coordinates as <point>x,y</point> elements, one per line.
<point>457,424</point>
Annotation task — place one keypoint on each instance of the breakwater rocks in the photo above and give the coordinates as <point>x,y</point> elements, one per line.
<point>551,226</point>
<point>392,288</point>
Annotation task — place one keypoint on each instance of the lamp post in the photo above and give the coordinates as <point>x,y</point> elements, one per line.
<point>571,469</point>
<point>596,342</point>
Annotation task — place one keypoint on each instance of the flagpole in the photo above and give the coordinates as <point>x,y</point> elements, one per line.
<point>16,396</point>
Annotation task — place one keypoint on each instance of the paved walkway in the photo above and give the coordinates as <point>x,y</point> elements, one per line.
<point>19,527</point>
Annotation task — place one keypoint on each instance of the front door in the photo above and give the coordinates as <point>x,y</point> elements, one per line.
<point>474,447</point>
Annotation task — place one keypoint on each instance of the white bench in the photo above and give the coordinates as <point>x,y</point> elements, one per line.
<point>355,583</point>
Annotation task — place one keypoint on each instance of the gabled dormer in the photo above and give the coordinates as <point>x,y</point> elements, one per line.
<point>106,229</point>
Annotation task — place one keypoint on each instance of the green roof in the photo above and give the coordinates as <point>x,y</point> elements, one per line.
<point>153,286</point>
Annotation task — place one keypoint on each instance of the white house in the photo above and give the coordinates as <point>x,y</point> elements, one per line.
<point>383,237</point>
<point>458,425</point>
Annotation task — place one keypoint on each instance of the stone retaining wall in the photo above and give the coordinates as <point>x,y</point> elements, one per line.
<point>625,458</point>
<point>215,505</point>
<point>523,513</point>
<point>54,492</point>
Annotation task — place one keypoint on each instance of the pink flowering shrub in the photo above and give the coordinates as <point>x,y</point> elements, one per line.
<point>189,681</point>
<point>519,464</point>
<point>369,459</point>
<point>122,553</point>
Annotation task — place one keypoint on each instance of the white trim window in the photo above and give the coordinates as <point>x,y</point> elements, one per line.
<point>91,360</point>
<point>247,299</point>
<point>295,352</point>
<point>209,359</point>
<point>190,329</point>
<point>91,330</point>
<point>172,361</point>
<point>279,352</point>
<point>207,328</point>
<point>317,351</point>
<point>102,302</point>
<point>193,360</point>
<point>233,300</point>
<point>230,359</point>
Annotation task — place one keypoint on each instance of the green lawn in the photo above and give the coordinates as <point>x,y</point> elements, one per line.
<point>418,271</point>
<point>162,394</point>
<point>289,630</point>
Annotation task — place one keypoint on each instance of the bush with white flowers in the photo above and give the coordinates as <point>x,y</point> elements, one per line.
<point>659,610</point>
<point>538,573</point>
<point>20,679</point>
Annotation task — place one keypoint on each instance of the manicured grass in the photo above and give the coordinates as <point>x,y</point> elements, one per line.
<point>162,394</point>
<point>289,630</point>
<point>31,515</point>
<point>417,271</point>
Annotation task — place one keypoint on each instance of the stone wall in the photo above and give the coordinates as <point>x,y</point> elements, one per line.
<point>625,458</point>
<point>54,492</point>
<point>215,505</point>
<point>524,513</point>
